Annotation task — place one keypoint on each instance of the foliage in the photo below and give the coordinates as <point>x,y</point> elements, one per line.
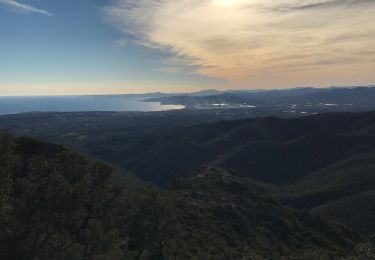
<point>58,204</point>
<point>54,208</point>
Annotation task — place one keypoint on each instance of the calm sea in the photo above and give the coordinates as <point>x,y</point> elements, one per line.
<point>13,105</point>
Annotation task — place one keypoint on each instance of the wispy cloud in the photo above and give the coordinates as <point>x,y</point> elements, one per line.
<point>23,7</point>
<point>259,42</point>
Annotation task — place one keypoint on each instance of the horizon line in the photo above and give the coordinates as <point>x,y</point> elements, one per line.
<point>179,93</point>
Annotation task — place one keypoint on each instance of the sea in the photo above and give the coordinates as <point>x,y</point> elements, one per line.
<point>118,103</point>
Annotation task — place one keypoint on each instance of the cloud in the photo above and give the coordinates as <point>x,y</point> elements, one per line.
<point>262,42</point>
<point>23,7</point>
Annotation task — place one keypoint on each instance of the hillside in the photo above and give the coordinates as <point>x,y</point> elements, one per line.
<point>343,191</point>
<point>232,215</point>
<point>57,204</point>
<point>322,163</point>
<point>356,211</point>
<point>270,149</point>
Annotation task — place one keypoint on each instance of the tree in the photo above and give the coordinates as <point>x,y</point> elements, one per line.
<point>57,207</point>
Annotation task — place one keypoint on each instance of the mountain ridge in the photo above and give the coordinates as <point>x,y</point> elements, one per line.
<point>79,213</point>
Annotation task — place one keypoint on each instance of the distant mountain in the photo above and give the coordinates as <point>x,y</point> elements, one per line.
<point>359,96</point>
<point>202,93</point>
<point>208,92</point>
<point>356,96</point>
<point>206,100</point>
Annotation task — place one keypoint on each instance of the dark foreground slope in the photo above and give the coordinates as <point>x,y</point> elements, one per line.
<point>240,222</point>
<point>57,204</point>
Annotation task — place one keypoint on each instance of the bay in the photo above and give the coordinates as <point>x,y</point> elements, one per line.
<point>118,103</point>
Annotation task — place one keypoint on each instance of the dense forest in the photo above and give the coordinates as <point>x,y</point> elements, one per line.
<point>58,204</point>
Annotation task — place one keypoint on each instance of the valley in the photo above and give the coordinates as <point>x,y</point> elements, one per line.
<point>320,163</point>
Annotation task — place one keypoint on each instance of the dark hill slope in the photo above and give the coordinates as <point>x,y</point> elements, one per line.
<point>344,178</point>
<point>343,191</point>
<point>266,149</point>
<point>54,202</point>
<point>322,163</point>
<point>356,211</point>
<point>57,204</point>
<point>230,214</point>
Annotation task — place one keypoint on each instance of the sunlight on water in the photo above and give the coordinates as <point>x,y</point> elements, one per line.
<point>12,105</point>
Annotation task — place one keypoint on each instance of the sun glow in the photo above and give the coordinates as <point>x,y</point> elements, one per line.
<point>229,2</point>
<point>258,42</point>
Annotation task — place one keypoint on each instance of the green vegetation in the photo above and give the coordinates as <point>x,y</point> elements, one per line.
<point>57,204</point>
<point>343,191</point>
<point>272,150</point>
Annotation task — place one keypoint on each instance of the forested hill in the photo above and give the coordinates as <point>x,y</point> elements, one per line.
<point>323,163</point>
<point>57,204</point>
<point>269,149</point>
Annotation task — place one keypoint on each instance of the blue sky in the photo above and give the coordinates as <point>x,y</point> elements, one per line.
<point>128,46</point>
<point>76,50</point>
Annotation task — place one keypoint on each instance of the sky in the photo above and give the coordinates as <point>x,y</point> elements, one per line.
<point>54,47</point>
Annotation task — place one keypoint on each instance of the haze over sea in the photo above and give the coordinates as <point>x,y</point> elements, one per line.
<point>13,105</point>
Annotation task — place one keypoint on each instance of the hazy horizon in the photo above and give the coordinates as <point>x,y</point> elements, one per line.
<point>186,92</point>
<point>139,46</point>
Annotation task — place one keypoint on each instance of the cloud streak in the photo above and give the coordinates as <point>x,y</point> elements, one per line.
<point>23,7</point>
<point>258,42</point>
